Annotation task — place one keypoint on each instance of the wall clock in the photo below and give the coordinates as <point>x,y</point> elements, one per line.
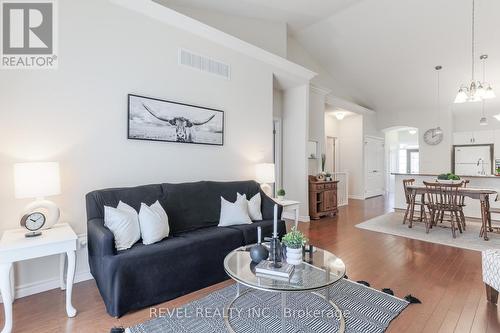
<point>432,138</point>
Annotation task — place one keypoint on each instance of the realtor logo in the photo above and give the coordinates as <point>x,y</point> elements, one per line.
<point>28,34</point>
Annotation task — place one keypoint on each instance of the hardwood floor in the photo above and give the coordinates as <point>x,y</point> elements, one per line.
<point>447,280</point>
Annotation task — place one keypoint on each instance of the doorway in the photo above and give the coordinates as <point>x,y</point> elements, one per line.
<point>332,154</point>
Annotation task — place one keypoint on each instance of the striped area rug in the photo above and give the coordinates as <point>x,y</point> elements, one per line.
<point>366,310</point>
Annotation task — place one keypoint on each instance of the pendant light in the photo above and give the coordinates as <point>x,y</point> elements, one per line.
<point>475,91</point>
<point>438,130</point>
<point>483,121</point>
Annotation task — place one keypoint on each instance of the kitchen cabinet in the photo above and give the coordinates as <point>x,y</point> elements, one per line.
<point>474,138</point>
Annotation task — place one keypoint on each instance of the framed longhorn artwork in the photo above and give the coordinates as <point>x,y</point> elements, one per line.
<point>160,120</point>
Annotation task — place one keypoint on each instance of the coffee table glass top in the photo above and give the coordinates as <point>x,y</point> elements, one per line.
<point>318,270</point>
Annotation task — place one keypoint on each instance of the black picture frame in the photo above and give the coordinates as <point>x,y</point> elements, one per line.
<point>178,127</point>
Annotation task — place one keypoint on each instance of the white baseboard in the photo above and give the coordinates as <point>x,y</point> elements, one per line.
<point>45,285</point>
<point>291,216</point>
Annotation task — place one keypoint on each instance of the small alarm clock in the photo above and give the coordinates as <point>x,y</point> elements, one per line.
<point>33,222</point>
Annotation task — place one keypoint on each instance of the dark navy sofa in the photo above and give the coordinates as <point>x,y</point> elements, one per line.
<point>191,258</point>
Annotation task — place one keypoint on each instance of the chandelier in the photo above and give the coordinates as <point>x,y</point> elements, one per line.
<point>476,91</point>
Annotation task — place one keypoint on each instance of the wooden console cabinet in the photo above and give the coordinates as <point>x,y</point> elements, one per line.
<point>322,198</point>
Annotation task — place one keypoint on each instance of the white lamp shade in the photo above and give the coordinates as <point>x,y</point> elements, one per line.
<point>489,93</point>
<point>264,173</point>
<point>36,180</point>
<point>461,97</point>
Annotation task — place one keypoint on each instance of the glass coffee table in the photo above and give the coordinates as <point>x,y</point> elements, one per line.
<point>316,274</point>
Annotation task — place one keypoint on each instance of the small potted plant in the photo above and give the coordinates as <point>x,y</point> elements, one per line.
<point>281,194</point>
<point>294,240</point>
<point>448,178</point>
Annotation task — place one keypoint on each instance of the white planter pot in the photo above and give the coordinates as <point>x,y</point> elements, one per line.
<point>448,181</point>
<point>294,256</point>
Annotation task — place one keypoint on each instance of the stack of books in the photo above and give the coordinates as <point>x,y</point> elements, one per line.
<point>266,269</point>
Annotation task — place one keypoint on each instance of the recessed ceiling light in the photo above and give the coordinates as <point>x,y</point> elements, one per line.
<point>340,115</point>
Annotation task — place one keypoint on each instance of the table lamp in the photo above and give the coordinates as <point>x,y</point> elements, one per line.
<point>38,180</point>
<point>264,174</point>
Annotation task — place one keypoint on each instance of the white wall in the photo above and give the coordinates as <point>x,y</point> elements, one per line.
<point>469,121</point>
<point>271,36</point>
<point>370,125</point>
<point>316,127</point>
<point>351,153</point>
<point>298,54</point>
<point>331,126</point>
<point>277,103</point>
<point>295,137</point>
<point>433,159</point>
<point>77,114</point>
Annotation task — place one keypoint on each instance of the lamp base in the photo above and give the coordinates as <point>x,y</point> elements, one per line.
<point>267,189</point>
<point>51,211</point>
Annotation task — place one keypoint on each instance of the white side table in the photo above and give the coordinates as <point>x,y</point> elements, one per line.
<point>290,205</point>
<point>60,239</point>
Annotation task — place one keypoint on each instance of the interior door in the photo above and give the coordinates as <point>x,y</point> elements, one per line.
<point>374,167</point>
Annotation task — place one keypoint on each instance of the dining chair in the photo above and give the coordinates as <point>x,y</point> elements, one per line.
<point>461,204</point>
<point>444,198</point>
<point>421,203</point>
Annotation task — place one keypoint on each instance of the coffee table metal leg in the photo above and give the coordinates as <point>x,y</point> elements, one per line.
<point>283,312</point>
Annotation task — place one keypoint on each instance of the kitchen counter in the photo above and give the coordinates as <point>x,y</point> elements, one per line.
<point>435,175</point>
<point>473,207</point>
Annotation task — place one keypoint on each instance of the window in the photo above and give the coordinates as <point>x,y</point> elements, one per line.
<point>408,161</point>
<point>402,159</point>
<point>412,160</point>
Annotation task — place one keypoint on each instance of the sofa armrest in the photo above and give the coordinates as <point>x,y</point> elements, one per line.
<point>101,241</point>
<point>268,207</point>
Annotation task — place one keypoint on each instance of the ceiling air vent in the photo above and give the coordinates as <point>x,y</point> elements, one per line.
<point>204,64</point>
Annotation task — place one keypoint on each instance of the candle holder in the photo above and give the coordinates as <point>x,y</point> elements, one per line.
<point>259,252</point>
<point>275,253</point>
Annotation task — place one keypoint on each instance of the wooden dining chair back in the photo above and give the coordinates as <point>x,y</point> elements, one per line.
<point>445,198</point>
<point>465,182</point>
<point>410,206</point>
<point>406,183</point>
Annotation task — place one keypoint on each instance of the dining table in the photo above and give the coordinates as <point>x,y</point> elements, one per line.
<point>481,194</point>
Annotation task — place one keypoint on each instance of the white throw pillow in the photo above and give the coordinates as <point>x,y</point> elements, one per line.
<point>234,213</point>
<point>154,223</point>
<point>123,221</point>
<point>254,207</point>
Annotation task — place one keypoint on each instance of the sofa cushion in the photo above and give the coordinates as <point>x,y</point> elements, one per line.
<point>133,196</point>
<point>249,231</point>
<point>191,206</point>
<point>233,213</point>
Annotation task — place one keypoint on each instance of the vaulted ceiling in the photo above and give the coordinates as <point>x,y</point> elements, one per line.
<point>384,51</point>
<point>297,13</point>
